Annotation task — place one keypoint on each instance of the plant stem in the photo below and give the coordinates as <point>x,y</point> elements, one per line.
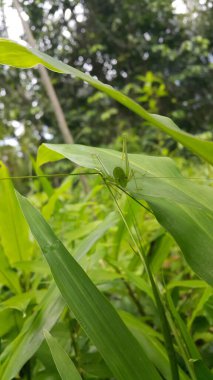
<point>164,322</point>
<point>183,349</point>
<point>165,326</point>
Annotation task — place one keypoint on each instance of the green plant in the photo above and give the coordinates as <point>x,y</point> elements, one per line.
<point>131,342</point>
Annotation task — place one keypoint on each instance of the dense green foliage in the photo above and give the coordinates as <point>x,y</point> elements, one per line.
<point>126,264</point>
<point>106,270</point>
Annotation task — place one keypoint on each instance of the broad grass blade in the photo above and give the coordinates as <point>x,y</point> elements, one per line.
<point>17,246</point>
<point>149,340</point>
<point>24,346</point>
<point>98,318</point>
<point>181,206</point>
<point>63,363</point>
<point>91,239</point>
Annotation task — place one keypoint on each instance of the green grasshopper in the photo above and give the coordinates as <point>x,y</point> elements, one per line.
<point>121,176</point>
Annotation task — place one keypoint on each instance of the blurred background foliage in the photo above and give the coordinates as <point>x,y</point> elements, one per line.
<point>161,58</point>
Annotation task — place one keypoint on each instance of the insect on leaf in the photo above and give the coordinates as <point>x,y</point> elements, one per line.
<point>178,204</point>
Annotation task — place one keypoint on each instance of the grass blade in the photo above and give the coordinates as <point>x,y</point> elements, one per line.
<point>98,318</point>
<point>63,363</point>
<point>24,346</point>
<point>16,246</point>
<point>178,203</point>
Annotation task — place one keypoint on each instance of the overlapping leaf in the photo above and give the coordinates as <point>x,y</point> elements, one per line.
<point>17,246</point>
<point>24,346</point>
<point>62,361</point>
<point>183,207</point>
<point>121,351</point>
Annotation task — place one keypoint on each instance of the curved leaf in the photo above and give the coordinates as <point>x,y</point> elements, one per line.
<point>23,347</point>
<point>16,246</point>
<point>16,55</point>
<point>64,364</point>
<point>98,318</point>
<point>149,341</point>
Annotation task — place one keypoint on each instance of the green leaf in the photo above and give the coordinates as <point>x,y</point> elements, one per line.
<point>19,56</point>
<point>181,206</point>
<point>49,207</point>
<point>45,183</point>
<point>192,284</point>
<point>90,240</point>
<point>19,302</point>
<point>162,249</point>
<point>195,360</point>
<point>199,307</point>
<point>7,322</point>
<point>149,341</point>
<point>24,346</point>
<point>8,276</point>
<point>98,318</point>
<point>139,282</point>
<point>14,231</point>
<point>63,363</point>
